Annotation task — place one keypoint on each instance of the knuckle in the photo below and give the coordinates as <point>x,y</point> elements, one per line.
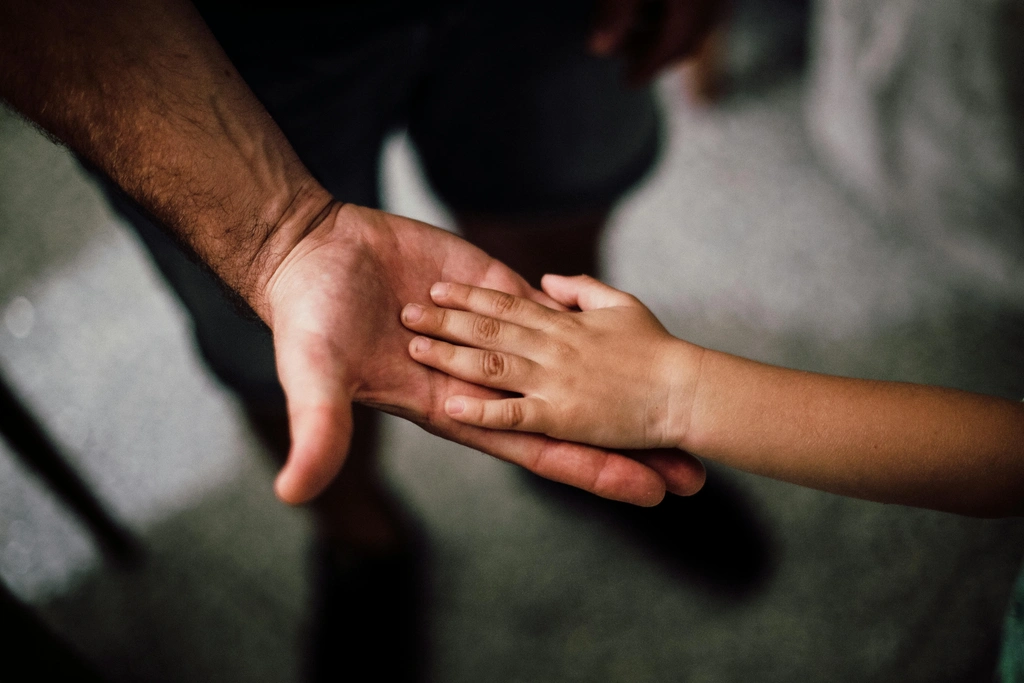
<point>562,351</point>
<point>567,324</point>
<point>493,365</point>
<point>504,304</point>
<point>512,414</point>
<point>443,318</point>
<point>486,329</point>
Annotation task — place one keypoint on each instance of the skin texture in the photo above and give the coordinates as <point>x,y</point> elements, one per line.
<point>141,90</point>
<point>335,302</point>
<point>609,374</point>
<point>603,375</point>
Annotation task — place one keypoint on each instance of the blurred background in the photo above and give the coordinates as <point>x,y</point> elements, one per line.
<point>850,202</point>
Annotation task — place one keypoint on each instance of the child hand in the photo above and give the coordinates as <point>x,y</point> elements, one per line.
<point>608,375</point>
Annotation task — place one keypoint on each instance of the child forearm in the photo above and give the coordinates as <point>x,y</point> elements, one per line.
<point>884,441</point>
<point>610,374</point>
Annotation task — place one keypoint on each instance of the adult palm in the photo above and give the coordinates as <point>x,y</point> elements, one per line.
<point>334,304</point>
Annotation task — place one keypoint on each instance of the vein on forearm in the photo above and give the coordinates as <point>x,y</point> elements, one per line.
<point>141,90</point>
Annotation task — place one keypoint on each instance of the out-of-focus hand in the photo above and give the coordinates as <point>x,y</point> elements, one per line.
<point>652,34</point>
<point>607,375</point>
<point>334,307</point>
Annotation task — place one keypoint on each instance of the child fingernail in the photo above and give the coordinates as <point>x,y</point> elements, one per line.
<point>412,313</point>
<point>439,289</point>
<point>420,344</point>
<point>454,406</point>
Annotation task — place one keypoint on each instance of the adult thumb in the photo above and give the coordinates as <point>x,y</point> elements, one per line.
<point>319,417</point>
<point>320,440</point>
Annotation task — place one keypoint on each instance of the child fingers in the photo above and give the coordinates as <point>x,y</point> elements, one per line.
<point>584,292</point>
<point>492,303</point>
<point>508,414</point>
<point>466,328</point>
<point>487,368</point>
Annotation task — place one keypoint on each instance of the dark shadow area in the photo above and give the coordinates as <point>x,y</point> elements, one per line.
<point>369,610</point>
<point>713,538</point>
<point>370,616</point>
<point>33,652</point>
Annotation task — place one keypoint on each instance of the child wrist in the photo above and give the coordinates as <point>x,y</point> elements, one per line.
<point>686,366</point>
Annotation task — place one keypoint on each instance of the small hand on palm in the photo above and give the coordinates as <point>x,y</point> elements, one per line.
<point>335,306</point>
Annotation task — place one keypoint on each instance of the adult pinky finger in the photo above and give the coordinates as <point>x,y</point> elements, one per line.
<point>508,414</point>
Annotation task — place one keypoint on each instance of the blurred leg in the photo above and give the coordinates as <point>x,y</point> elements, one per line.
<point>566,245</point>
<point>528,138</point>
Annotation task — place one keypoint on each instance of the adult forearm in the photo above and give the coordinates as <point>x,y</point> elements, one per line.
<point>142,90</point>
<point>884,441</point>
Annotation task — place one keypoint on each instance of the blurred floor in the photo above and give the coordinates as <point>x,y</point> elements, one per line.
<point>739,241</point>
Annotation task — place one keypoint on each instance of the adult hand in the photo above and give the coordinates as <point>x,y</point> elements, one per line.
<point>652,34</point>
<point>143,92</point>
<point>334,305</point>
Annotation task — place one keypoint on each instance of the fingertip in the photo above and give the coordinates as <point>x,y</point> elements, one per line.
<point>643,489</point>
<point>652,495</point>
<point>681,473</point>
<point>320,439</point>
<point>688,480</point>
<point>655,500</point>
<point>587,280</point>
<point>304,477</point>
<point>650,491</point>
<point>419,345</point>
<point>287,489</point>
<point>294,486</point>
<point>440,290</point>
<point>558,287</point>
<point>691,486</point>
<point>455,406</point>
<point>626,480</point>
<point>412,313</point>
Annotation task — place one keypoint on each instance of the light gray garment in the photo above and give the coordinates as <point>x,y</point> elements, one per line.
<point>917,106</point>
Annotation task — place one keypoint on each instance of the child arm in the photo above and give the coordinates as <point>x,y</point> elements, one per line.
<point>611,375</point>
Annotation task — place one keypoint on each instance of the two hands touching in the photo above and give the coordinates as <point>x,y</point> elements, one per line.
<point>333,303</point>
<point>145,94</point>
<point>608,374</point>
